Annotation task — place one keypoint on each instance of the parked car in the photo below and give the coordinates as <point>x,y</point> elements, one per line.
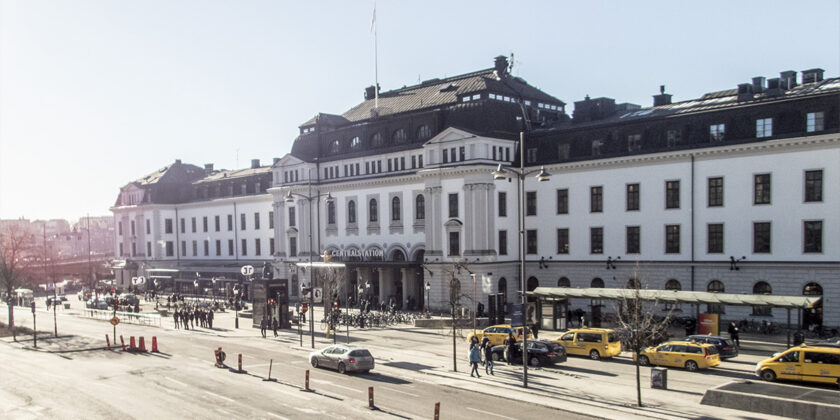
<point>343,359</point>
<point>540,353</point>
<point>51,300</point>
<point>593,342</point>
<point>813,363</point>
<point>691,356</point>
<point>498,333</point>
<point>129,299</point>
<point>726,349</point>
<point>96,304</point>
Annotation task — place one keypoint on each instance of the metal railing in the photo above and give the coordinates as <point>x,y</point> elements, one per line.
<point>125,317</point>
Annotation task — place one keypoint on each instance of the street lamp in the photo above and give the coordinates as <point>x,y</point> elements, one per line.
<point>428,288</point>
<point>521,174</point>
<point>290,198</point>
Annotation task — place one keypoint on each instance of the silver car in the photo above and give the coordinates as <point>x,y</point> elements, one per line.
<point>343,358</point>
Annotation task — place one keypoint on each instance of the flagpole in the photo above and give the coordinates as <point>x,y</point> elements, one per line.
<point>375,61</point>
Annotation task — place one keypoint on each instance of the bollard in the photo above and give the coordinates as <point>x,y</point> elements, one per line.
<point>306,385</point>
<point>108,341</point>
<point>270,364</point>
<point>437,411</point>
<point>370,398</point>
<point>154,345</point>
<point>240,362</point>
<point>132,345</point>
<point>123,342</point>
<point>142,344</point>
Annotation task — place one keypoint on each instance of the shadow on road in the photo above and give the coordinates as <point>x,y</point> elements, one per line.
<point>378,377</point>
<point>408,365</point>
<point>583,370</point>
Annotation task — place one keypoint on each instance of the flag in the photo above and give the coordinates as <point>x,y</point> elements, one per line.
<point>373,20</point>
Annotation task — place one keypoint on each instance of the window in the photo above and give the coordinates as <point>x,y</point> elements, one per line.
<point>184,248</point>
<point>331,213</point>
<point>218,247</point>
<point>814,121</point>
<point>270,246</point>
<point>531,155</point>
<point>762,288</point>
<point>596,199</point>
<point>390,167</point>
<point>633,239</point>
<point>242,222</point>
<point>419,207</point>
<point>183,225</point>
<point>453,205</point>
<point>206,248</point>
<point>121,250</point>
<point>596,240</point>
<point>424,132</point>
<point>452,155</point>
<point>351,211</point>
<point>445,156</point>
<point>763,127</point>
<point>293,247</point>
<point>563,201</point>
<point>119,228</point>
<point>672,194</point>
<point>420,161</point>
<point>192,224</point>
<point>673,138</point>
<point>563,241</point>
<point>194,248</point>
<point>257,247</point>
<point>714,238</point>
<point>813,236</point>
<point>761,189</point>
<point>454,243</point>
<point>564,282</point>
<point>531,241</point>
<point>373,211</point>
<point>133,249</point>
<point>717,132</point>
<point>761,237</point>
<point>376,140</point>
<point>395,209</point>
<point>217,222</point>
<point>271,219</point>
<point>632,197</point>
<point>148,227</point>
<point>597,145</point>
<point>462,153</point>
<point>230,247</point>
<point>634,142</point>
<point>355,143</point>
<point>291,216</point>
<point>715,286</point>
<point>244,250</point>
<point>531,203</point>
<point>230,222</point>
<point>672,239</point>
<point>256,220</point>
<point>170,251</point>
<point>149,249</point>
<point>133,231</point>
<point>714,196</point>
<point>167,225</point>
<point>563,151</point>
<point>813,185</point>
<point>502,204</point>
<point>503,242</point>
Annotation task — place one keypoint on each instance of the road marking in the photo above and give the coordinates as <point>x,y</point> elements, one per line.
<point>293,394</point>
<point>276,415</point>
<point>173,380</point>
<point>307,410</point>
<point>320,381</point>
<point>219,396</point>
<point>401,392</point>
<point>489,413</point>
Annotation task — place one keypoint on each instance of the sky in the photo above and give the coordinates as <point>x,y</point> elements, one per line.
<point>95,94</point>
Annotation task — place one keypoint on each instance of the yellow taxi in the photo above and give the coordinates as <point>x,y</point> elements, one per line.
<point>593,342</point>
<point>498,333</point>
<point>690,355</point>
<point>813,363</point>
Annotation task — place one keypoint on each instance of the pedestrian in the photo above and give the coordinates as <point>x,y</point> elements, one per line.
<point>485,342</point>
<point>210,319</point>
<point>510,341</point>
<point>175,318</point>
<point>473,341</point>
<point>535,328</point>
<point>262,327</point>
<point>488,357</point>
<point>733,334</point>
<point>475,357</point>
<point>689,326</point>
<point>275,325</point>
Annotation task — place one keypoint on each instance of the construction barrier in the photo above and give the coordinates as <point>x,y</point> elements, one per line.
<point>437,411</point>
<point>132,346</point>
<point>154,345</point>
<point>370,398</point>
<point>108,341</point>
<point>142,344</point>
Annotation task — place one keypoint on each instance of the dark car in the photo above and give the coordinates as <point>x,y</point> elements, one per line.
<point>540,353</point>
<point>56,299</point>
<point>726,349</point>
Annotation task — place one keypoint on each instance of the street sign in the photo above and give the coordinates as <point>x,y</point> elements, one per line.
<point>517,318</point>
<point>317,295</point>
<point>247,270</point>
<point>33,307</point>
<point>115,321</point>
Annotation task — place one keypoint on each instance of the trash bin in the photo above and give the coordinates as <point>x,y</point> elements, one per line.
<point>659,378</point>
<point>66,306</point>
<point>798,338</point>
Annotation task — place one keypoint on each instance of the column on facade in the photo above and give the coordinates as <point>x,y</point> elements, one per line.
<point>434,222</point>
<point>480,225</point>
<point>406,291</point>
<point>303,217</point>
<point>279,228</point>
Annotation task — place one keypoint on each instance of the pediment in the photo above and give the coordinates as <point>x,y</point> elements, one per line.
<point>288,160</point>
<point>448,135</point>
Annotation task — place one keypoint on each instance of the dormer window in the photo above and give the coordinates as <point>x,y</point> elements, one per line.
<point>532,155</point>
<point>674,137</point>
<point>597,145</point>
<point>376,140</point>
<point>355,143</point>
<point>424,132</point>
<point>400,136</point>
<point>634,142</point>
<point>335,146</point>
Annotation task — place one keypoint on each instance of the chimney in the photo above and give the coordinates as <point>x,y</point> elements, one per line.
<point>274,162</point>
<point>177,161</point>
<point>758,84</point>
<point>663,98</point>
<point>370,92</point>
<point>255,163</point>
<point>501,65</point>
<point>745,91</point>
<point>812,76</point>
<point>208,167</point>
<point>788,79</point>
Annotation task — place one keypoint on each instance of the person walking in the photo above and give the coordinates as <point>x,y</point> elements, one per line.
<point>210,319</point>
<point>475,357</point>
<point>473,341</point>
<point>488,357</point>
<point>175,318</point>
<point>485,343</point>
<point>262,327</point>
<point>510,341</point>
<point>733,334</point>
<point>274,326</point>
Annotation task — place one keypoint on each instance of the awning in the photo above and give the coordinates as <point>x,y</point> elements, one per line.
<point>679,296</point>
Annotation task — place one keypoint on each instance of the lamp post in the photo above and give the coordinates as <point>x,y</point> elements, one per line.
<point>290,198</point>
<point>521,174</point>
<point>475,297</point>
<point>428,288</point>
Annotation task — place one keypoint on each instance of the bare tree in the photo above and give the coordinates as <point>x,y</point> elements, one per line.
<point>16,259</point>
<point>458,321</point>
<point>640,324</point>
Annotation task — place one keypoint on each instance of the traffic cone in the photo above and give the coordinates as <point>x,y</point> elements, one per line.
<point>121,342</point>
<point>108,341</point>
<point>143,344</point>
<point>154,345</point>
<point>131,345</point>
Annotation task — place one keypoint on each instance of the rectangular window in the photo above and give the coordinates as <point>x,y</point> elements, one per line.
<point>563,241</point>
<point>184,248</point>
<point>596,199</point>
<point>256,220</point>
<point>420,161</point>
<point>230,247</point>
<point>123,253</point>
<point>193,224</point>
<point>149,249</point>
<point>148,227</point>
<point>596,240</point>
<point>530,203</point>
<point>452,155</point>
<point>453,205</point>
<point>813,185</point>
<point>531,155</point>
<point>563,151</point>
<point>291,216</point>
<point>761,189</point>
<point>169,249</point>
<point>271,219</point>
<point>596,147</point>
<point>413,162</point>
<point>217,222</point>
<point>531,241</point>
<point>761,237</point>
<point>229,222</point>
<point>379,166</point>
<point>367,168</point>
<point>563,201</point>
<point>714,238</point>
<point>633,239</point>
<point>244,250</point>
<point>632,197</point>
<point>672,194</point>
<point>206,248</point>
<point>502,204</point>
<point>672,239</point>
<point>242,222</point>
<point>257,247</point>
<point>814,122</point>
<point>204,223</point>
<point>133,231</point>
<point>167,225</point>
<point>715,192</point>
<point>717,133</point>
<point>133,249</point>
<point>462,152</point>
<point>218,247</point>
<point>195,248</point>
<point>270,246</point>
<point>674,138</point>
<point>390,167</point>
<point>445,156</point>
<point>634,142</point>
<point>183,226</point>
<point>293,247</point>
<point>763,127</point>
<point>503,242</point>
<point>119,228</point>
<point>494,153</point>
<point>454,243</point>
<point>813,236</point>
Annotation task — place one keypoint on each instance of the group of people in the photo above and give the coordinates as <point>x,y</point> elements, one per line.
<point>188,317</point>
<point>483,353</point>
<point>264,324</point>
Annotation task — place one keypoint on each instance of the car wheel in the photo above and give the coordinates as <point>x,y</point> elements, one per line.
<point>594,355</point>
<point>534,361</point>
<point>768,375</point>
<point>691,365</point>
<point>314,362</point>
<point>495,357</point>
<point>644,361</point>
<point>342,369</point>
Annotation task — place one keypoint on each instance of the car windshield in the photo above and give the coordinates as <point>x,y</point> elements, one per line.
<point>612,337</point>
<point>712,350</point>
<point>360,353</point>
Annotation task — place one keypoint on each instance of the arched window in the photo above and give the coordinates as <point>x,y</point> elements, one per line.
<point>715,286</point>
<point>376,140</point>
<point>395,209</point>
<point>533,283</point>
<point>673,284</point>
<point>355,143</point>
<point>503,290</point>
<point>762,288</point>
<point>564,282</point>
<point>633,283</point>
<point>351,212</point>
<point>597,283</point>
<point>424,132</point>
<point>400,136</point>
<point>812,289</point>
<point>335,146</point>
<point>419,207</point>
<point>331,213</point>
<point>373,211</point>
